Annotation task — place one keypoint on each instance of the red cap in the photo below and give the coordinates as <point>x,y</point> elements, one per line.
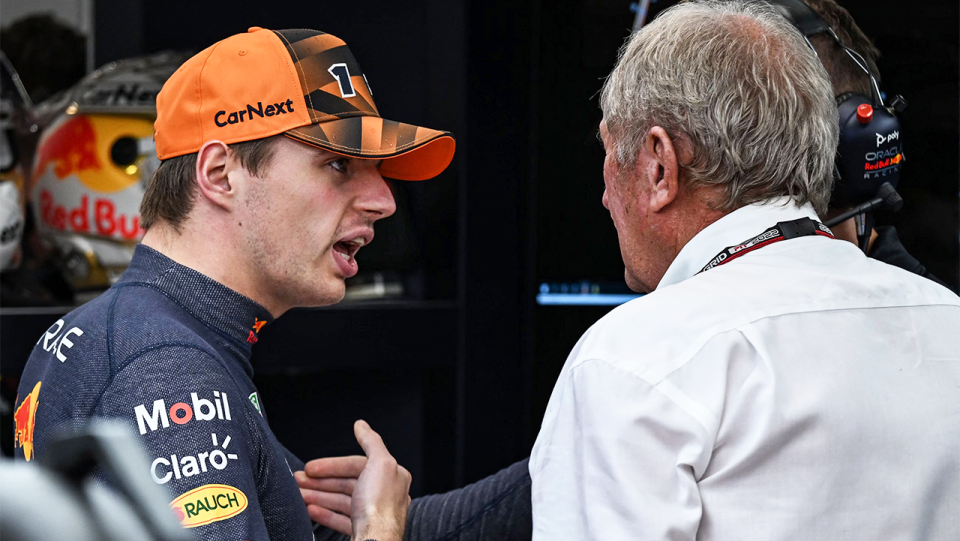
<point>864,113</point>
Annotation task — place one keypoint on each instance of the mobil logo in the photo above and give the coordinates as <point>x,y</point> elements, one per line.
<point>181,413</point>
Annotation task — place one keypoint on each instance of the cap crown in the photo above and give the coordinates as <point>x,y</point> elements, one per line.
<point>259,84</point>
<point>302,83</point>
<point>333,84</point>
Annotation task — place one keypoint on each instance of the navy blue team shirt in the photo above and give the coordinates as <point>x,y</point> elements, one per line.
<point>167,350</point>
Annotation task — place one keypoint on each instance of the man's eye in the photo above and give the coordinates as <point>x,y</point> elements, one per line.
<point>339,165</point>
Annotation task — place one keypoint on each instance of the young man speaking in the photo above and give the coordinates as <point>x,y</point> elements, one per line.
<point>273,151</point>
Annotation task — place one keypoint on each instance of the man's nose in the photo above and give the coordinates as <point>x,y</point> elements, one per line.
<point>377,198</point>
<point>604,200</point>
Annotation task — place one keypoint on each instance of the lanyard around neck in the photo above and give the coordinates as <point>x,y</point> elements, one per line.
<point>803,227</point>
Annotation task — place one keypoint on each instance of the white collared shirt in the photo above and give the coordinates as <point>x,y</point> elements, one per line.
<point>800,392</point>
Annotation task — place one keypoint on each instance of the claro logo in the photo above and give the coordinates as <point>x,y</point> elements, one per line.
<point>182,413</point>
<point>187,466</point>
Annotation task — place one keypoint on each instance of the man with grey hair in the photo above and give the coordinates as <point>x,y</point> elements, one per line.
<point>776,383</point>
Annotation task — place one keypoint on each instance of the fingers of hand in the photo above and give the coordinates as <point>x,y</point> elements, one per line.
<point>379,458</point>
<point>340,466</point>
<point>343,486</point>
<point>339,503</point>
<point>328,518</point>
<point>369,440</point>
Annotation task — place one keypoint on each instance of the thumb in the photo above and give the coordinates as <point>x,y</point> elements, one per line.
<point>369,440</point>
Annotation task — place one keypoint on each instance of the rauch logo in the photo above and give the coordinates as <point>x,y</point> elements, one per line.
<point>182,413</point>
<point>209,503</point>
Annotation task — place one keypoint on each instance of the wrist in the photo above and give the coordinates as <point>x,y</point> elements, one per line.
<point>374,533</point>
<point>381,535</point>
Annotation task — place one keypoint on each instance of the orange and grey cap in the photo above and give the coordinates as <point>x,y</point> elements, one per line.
<point>302,83</point>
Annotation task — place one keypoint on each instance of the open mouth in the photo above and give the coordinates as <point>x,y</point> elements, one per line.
<point>349,248</point>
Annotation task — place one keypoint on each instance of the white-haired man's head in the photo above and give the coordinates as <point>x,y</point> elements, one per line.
<point>732,94</point>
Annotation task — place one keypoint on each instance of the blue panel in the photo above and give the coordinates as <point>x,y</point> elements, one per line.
<point>583,299</point>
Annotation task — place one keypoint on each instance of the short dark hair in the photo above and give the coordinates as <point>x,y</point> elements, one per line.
<point>171,191</point>
<point>845,75</point>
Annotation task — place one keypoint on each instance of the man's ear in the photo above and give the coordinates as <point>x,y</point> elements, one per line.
<point>213,166</point>
<point>659,168</point>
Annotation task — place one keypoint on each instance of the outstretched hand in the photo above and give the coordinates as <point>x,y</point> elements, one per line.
<point>364,497</point>
<point>381,497</point>
<point>327,485</point>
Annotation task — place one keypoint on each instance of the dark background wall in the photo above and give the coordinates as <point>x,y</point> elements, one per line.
<point>457,375</point>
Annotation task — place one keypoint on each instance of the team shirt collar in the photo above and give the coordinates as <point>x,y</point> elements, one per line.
<point>216,305</point>
<point>738,226</point>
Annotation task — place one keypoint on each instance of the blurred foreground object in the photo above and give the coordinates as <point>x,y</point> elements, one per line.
<point>63,500</point>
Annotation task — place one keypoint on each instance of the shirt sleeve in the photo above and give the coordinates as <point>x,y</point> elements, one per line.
<point>497,507</point>
<point>185,410</point>
<point>615,459</point>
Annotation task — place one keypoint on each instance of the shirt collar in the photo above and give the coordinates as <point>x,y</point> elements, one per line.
<point>214,304</point>
<point>734,228</point>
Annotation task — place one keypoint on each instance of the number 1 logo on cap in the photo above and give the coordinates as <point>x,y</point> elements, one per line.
<point>342,74</point>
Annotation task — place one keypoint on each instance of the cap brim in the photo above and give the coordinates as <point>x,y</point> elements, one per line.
<point>408,152</point>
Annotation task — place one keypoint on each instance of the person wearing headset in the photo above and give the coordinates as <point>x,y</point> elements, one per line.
<point>855,80</point>
<point>499,506</point>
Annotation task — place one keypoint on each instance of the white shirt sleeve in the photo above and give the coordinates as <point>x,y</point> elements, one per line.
<point>616,459</point>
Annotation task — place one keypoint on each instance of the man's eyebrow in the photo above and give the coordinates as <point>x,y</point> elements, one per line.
<point>600,138</point>
<point>321,152</point>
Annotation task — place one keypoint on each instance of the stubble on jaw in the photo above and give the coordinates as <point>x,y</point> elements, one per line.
<point>276,274</point>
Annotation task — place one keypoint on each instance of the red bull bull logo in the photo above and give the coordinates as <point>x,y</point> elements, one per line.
<point>72,148</point>
<point>25,419</point>
<point>257,325</point>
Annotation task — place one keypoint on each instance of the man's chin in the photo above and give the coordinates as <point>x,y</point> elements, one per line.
<point>318,297</point>
<point>634,283</point>
<point>332,296</point>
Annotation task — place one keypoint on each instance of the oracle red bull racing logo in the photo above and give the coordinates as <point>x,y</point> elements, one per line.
<point>882,162</point>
